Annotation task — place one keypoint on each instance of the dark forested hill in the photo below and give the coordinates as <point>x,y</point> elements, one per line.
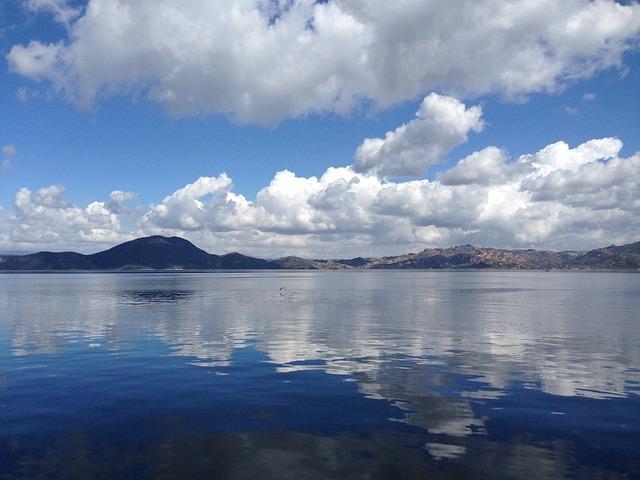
<point>154,252</point>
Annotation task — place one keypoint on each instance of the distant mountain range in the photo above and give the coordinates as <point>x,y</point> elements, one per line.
<point>174,253</point>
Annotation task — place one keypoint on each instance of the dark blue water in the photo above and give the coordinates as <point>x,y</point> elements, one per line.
<point>343,375</point>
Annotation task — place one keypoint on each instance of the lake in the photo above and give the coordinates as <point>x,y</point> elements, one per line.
<point>304,375</point>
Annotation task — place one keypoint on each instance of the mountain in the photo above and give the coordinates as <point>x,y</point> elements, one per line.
<point>156,252</point>
<point>164,253</point>
<point>46,261</point>
<point>469,256</point>
<point>296,263</point>
<point>612,257</point>
<point>625,257</point>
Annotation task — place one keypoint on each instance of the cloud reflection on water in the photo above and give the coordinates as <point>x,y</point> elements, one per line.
<point>433,344</point>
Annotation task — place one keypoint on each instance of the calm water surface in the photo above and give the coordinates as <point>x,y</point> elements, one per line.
<point>345,375</point>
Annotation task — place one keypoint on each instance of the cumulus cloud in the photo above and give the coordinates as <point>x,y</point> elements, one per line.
<point>595,184</point>
<point>559,156</point>
<point>8,153</point>
<point>441,124</point>
<point>195,206</point>
<point>118,200</point>
<point>263,61</point>
<point>42,218</point>
<point>559,197</point>
<point>485,167</point>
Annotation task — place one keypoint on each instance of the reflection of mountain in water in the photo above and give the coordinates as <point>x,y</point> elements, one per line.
<point>146,297</point>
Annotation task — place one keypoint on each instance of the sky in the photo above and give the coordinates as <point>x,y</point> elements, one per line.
<point>321,129</point>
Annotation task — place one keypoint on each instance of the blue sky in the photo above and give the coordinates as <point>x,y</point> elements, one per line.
<point>126,139</point>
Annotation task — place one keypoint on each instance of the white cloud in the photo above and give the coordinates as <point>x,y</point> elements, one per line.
<point>37,60</point>
<point>42,218</point>
<point>558,197</point>
<point>8,153</point>
<point>9,150</point>
<point>260,61</point>
<point>195,206</point>
<point>62,10</point>
<point>22,93</point>
<point>559,156</point>
<point>118,200</point>
<point>597,185</point>
<point>485,167</point>
<point>570,110</point>
<point>441,124</point>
